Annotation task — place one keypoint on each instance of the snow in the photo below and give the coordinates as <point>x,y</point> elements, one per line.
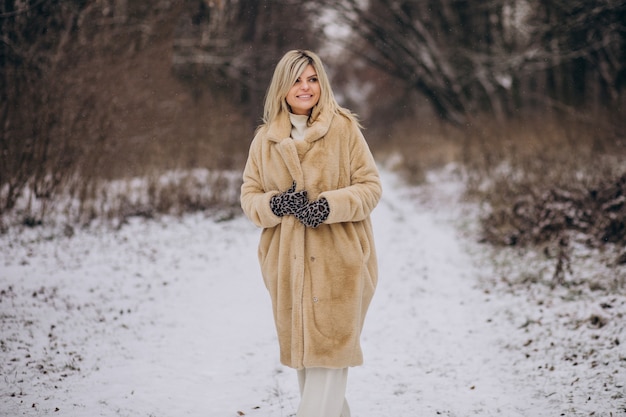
<point>169,317</point>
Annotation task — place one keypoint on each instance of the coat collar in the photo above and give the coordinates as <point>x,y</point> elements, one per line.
<point>280,128</point>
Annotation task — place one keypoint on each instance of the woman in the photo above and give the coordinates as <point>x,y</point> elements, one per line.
<point>310,182</point>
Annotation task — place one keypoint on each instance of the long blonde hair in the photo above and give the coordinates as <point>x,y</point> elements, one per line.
<point>287,71</point>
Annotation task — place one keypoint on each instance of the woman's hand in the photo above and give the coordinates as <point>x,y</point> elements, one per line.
<point>289,202</point>
<point>314,213</point>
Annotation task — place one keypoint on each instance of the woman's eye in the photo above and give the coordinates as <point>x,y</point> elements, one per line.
<point>310,80</point>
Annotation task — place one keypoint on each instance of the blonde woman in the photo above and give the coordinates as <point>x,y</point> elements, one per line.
<point>310,183</point>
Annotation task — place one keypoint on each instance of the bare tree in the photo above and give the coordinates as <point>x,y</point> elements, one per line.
<point>233,45</point>
<point>54,116</point>
<point>491,56</point>
<point>582,47</point>
<point>30,109</point>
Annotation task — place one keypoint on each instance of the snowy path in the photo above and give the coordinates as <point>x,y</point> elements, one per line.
<point>430,339</point>
<point>171,318</point>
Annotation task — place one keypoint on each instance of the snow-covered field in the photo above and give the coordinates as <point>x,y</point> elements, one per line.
<point>170,318</point>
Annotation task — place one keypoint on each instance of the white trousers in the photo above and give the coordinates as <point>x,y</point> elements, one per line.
<point>323,392</point>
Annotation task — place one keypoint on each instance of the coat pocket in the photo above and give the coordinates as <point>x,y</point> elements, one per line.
<point>337,285</point>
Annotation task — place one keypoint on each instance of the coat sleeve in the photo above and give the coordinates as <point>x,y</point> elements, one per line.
<point>356,201</point>
<point>255,201</point>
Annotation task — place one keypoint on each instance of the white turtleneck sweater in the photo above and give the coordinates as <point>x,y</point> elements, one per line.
<point>298,125</point>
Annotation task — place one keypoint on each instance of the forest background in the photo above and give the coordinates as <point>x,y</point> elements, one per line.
<point>111,109</point>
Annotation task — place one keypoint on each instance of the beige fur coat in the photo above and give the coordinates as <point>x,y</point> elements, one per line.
<point>321,281</point>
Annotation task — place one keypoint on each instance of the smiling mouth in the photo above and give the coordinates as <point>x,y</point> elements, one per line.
<point>305,96</point>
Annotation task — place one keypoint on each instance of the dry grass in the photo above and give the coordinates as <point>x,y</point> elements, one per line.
<point>549,184</point>
<point>130,121</point>
<point>412,147</point>
<point>557,187</point>
<point>541,150</point>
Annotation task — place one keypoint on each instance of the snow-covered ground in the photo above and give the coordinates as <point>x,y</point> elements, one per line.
<point>170,318</point>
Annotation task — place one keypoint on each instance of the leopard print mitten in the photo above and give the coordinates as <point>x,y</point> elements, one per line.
<point>314,213</point>
<point>288,202</point>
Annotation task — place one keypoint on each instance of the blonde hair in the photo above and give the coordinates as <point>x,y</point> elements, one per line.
<point>287,71</point>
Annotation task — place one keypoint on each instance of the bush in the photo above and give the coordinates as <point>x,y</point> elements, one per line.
<point>551,183</point>
<point>597,214</point>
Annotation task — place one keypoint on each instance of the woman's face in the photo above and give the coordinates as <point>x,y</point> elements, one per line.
<point>305,93</point>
